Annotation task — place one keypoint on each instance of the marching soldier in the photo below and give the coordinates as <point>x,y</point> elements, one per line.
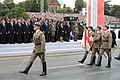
<point>105,47</point>
<point>95,45</point>
<point>89,40</point>
<point>39,50</point>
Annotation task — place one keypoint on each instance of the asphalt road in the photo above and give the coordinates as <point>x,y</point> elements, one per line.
<point>60,67</point>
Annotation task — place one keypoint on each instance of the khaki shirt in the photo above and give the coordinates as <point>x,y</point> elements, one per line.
<point>75,29</point>
<point>97,40</point>
<point>106,40</point>
<point>39,41</point>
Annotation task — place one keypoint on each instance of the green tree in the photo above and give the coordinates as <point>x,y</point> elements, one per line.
<point>3,9</point>
<point>17,12</point>
<point>62,10</point>
<point>115,11</point>
<point>107,7</point>
<point>33,5</point>
<point>65,10</point>
<point>79,4</point>
<point>9,4</point>
<point>45,5</point>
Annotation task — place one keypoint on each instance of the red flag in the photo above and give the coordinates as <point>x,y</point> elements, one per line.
<point>89,38</point>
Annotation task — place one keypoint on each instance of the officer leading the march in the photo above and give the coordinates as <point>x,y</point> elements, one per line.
<point>105,47</point>
<point>39,50</point>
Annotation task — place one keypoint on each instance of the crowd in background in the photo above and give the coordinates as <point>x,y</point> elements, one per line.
<point>52,24</point>
<point>81,17</point>
<point>21,30</point>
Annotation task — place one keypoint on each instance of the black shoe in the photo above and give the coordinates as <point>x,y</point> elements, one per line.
<point>98,65</point>
<point>24,72</point>
<point>27,68</point>
<point>89,64</point>
<point>43,74</point>
<point>108,66</point>
<point>92,61</point>
<point>117,58</point>
<point>81,62</point>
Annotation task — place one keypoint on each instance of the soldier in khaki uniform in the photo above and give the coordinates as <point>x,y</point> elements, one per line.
<point>75,31</point>
<point>52,31</point>
<point>90,30</point>
<point>105,47</point>
<point>95,45</point>
<point>39,50</point>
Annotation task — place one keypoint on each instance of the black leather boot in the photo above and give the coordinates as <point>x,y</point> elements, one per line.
<point>44,73</point>
<point>27,68</point>
<point>118,58</point>
<point>109,63</point>
<point>84,57</point>
<point>99,61</point>
<point>92,61</point>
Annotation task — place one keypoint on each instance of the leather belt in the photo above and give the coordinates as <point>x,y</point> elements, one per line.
<point>38,44</point>
<point>105,41</point>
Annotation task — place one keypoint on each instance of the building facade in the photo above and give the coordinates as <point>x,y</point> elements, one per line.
<point>53,5</point>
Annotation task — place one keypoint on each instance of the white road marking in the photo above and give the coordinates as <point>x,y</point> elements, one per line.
<point>67,66</point>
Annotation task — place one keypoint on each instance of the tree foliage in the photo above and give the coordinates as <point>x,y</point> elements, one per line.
<point>65,10</point>
<point>107,7</point>
<point>115,11</point>
<point>79,4</point>
<point>33,5</point>
<point>17,12</point>
<point>111,10</point>
<point>3,10</point>
<point>9,4</point>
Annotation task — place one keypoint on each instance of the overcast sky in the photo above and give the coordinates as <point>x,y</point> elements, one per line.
<point>71,3</point>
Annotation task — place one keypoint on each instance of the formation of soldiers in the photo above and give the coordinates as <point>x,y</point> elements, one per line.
<point>21,30</point>
<point>102,42</point>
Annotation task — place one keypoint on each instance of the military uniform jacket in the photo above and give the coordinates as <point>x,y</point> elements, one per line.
<point>75,29</point>
<point>106,40</point>
<point>39,40</point>
<point>97,40</point>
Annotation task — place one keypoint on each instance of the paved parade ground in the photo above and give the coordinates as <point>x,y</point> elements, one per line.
<point>62,66</point>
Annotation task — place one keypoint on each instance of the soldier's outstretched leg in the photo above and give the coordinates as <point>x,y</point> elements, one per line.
<point>109,59</point>
<point>99,61</point>
<point>92,61</point>
<point>84,57</point>
<point>44,69</point>
<point>118,57</point>
<point>29,65</point>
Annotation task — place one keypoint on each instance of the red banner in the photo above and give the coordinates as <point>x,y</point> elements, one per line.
<point>89,12</point>
<point>100,21</point>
